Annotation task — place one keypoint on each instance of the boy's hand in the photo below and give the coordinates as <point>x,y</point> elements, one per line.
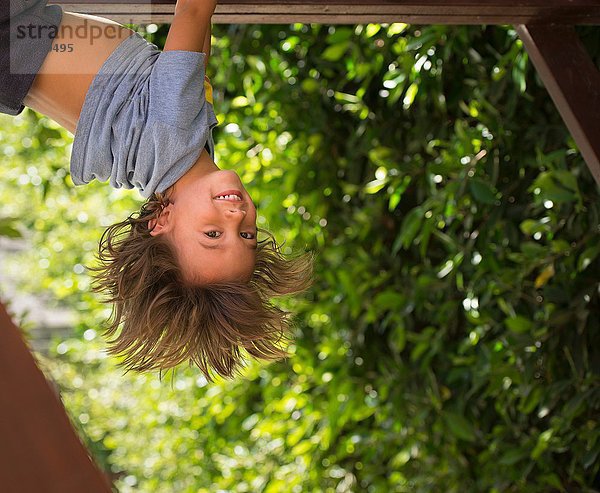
<point>204,4</point>
<point>191,26</point>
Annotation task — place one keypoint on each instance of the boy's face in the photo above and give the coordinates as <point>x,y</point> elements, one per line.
<point>211,222</point>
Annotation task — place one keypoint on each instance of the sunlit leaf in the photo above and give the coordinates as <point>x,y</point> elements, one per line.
<point>410,95</point>
<point>336,51</point>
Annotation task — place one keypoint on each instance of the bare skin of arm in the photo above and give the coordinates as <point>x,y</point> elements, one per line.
<point>207,44</point>
<point>190,29</point>
<point>62,82</point>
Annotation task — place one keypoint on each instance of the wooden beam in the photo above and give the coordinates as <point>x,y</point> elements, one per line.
<point>39,451</point>
<point>573,82</point>
<point>353,11</point>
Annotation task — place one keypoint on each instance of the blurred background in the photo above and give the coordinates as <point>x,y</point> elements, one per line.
<point>451,340</point>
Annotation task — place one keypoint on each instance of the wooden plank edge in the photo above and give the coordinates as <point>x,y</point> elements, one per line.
<point>40,450</point>
<point>573,82</point>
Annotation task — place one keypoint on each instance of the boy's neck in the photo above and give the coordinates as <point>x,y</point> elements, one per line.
<point>203,166</point>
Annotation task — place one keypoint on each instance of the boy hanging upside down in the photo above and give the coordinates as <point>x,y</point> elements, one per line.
<point>186,274</point>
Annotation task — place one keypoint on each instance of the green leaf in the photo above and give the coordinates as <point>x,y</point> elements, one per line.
<point>302,448</point>
<point>529,226</point>
<point>513,456</point>
<point>587,257</point>
<point>506,307</point>
<point>410,227</point>
<point>591,457</point>
<point>559,186</point>
<point>375,186</point>
<point>459,426</point>
<point>334,52</point>
<point>389,300</point>
<point>482,191</point>
<point>553,480</point>
<point>310,85</point>
<point>398,338</point>
<point>519,324</point>
<point>239,102</point>
<point>340,34</point>
<point>410,95</point>
<point>396,28</point>
<point>382,156</point>
<point>424,40</point>
<point>529,403</point>
<point>394,200</point>
<point>372,30</point>
<point>8,228</point>
<point>531,249</point>
<point>542,444</point>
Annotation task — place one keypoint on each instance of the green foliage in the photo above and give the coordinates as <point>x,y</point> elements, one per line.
<point>451,340</point>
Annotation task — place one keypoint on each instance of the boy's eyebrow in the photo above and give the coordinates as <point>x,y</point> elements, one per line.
<point>211,247</point>
<point>215,247</point>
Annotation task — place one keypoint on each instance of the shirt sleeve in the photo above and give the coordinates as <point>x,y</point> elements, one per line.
<point>177,93</point>
<point>166,153</point>
<point>179,122</point>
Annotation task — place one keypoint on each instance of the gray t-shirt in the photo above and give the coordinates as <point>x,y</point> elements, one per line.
<point>145,118</point>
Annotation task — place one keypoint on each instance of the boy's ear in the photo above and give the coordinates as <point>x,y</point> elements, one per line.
<point>162,224</point>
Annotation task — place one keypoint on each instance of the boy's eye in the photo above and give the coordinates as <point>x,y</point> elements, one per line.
<point>248,236</point>
<point>213,234</point>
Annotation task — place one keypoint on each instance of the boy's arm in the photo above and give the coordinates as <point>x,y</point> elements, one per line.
<point>190,28</point>
<point>207,44</point>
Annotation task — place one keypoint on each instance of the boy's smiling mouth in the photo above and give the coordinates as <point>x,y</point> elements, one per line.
<point>230,196</point>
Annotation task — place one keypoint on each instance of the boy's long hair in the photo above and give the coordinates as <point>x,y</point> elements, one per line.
<point>164,321</point>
